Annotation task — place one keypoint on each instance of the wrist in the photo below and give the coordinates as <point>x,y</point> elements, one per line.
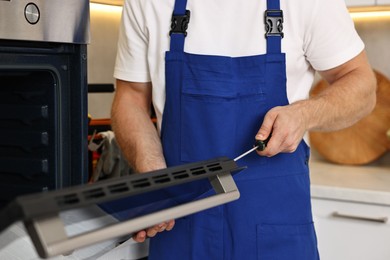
<point>305,110</point>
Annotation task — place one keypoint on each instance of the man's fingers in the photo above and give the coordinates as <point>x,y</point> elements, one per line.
<point>273,146</point>
<point>140,236</point>
<point>151,232</point>
<point>263,133</point>
<point>267,125</point>
<point>170,225</point>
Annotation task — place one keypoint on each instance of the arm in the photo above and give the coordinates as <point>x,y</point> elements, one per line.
<point>350,96</point>
<point>137,136</point>
<point>134,131</point>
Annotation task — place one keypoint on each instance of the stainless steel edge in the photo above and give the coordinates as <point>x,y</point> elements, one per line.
<point>131,226</point>
<point>51,20</point>
<point>381,220</point>
<point>45,231</point>
<point>48,245</point>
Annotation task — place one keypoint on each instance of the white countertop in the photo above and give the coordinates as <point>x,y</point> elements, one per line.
<point>366,184</point>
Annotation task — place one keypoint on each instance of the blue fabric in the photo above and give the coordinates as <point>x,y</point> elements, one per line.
<point>214,107</point>
<point>177,40</point>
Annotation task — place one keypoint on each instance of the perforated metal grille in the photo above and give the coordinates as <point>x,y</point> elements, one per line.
<point>136,184</point>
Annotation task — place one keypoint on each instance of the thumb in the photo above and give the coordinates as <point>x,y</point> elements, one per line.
<point>266,127</point>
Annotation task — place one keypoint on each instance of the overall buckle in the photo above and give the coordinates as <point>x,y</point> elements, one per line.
<point>273,20</point>
<point>179,23</point>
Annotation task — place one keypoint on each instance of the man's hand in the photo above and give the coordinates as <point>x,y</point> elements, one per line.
<point>287,124</point>
<point>350,96</point>
<point>140,236</point>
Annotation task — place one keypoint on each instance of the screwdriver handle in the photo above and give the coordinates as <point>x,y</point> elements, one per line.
<point>262,144</point>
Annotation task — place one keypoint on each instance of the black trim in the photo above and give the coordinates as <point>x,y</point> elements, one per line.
<point>273,20</point>
<point>180,23</point>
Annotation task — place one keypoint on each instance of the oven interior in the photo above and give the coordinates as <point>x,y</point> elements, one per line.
<point>43,117</point>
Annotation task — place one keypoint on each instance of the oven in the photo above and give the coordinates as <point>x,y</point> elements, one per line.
<point>43,95</point>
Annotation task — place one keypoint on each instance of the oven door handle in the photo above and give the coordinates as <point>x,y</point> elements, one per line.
<point>50,239</point>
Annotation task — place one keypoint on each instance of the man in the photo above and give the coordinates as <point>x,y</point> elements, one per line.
<point>238,73</point>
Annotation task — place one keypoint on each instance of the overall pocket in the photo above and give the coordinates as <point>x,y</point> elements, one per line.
<point>208,121</point>
<point>281,242</point>
<point>212,119</point>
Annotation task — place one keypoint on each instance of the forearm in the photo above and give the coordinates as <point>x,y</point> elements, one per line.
<point>350,96</point>
<point>343,103</point>
<point>134,131</point>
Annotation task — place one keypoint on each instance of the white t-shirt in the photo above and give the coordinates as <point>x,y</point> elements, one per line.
<point>318,35</point>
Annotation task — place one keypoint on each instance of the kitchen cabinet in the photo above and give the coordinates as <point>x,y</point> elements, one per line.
<point>383,2</point>
<point>352,3</point>
<point>351,210</point>
<point>350,230</point>
<point>356,3</point>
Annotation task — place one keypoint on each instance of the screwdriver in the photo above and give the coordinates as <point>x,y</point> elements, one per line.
<point>259,145</point>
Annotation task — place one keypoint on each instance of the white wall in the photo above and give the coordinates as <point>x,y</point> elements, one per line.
<point>105,22</point>
<point>376,36</point>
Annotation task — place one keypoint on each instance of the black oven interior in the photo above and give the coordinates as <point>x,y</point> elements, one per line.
<point>43,117</point>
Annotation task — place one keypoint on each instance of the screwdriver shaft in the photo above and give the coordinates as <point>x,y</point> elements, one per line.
<point>247,152</point>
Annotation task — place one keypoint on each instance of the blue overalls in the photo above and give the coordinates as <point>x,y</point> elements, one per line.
<point>214,107</point>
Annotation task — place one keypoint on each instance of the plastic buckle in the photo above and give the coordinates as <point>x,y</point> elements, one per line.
<point>273,20</point>
<point>180,23</point>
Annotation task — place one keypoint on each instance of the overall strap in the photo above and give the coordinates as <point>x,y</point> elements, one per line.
<point>273,20</point>
<point>180,20</point>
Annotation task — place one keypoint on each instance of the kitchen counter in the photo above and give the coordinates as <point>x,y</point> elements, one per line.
<point>366,184</point>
